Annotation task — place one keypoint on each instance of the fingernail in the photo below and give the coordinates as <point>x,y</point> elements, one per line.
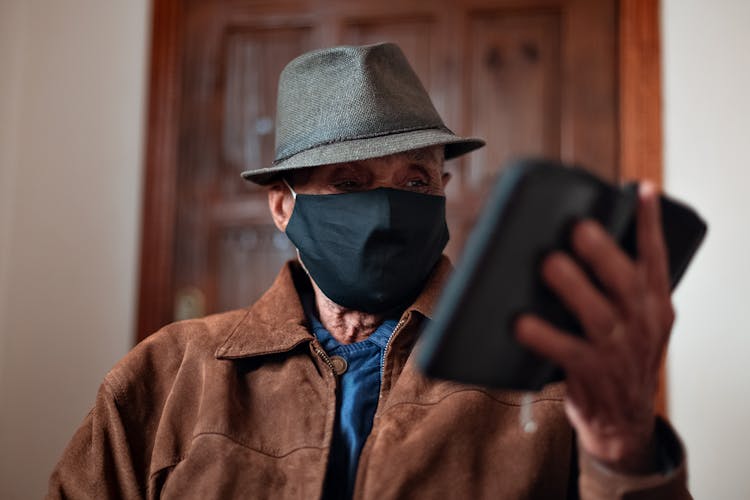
<point>647,189</point>
<point>586,234</point>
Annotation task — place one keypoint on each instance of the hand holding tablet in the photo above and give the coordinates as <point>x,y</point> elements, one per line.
<point>530,216</point>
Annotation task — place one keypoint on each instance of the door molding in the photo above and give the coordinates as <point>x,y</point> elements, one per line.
<point>640,91</point>
<point>641,146</point>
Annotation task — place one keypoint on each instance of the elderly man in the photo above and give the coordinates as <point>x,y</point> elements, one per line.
<point>312,391</point>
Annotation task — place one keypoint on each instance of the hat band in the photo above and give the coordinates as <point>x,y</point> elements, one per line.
<point>337,140</point>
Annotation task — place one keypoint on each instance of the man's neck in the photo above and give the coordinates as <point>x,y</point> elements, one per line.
<point>345,325</point>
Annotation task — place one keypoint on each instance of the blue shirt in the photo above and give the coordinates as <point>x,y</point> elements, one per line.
<point>356,401</point>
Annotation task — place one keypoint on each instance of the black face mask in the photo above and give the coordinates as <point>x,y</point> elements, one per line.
<point>370,251</point>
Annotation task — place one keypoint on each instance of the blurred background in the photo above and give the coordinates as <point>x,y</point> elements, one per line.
<point>124,125</point>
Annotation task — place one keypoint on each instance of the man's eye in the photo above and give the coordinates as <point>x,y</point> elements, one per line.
<point>347,185</point>
<point>416,183</point>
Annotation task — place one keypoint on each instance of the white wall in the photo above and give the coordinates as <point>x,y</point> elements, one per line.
<point>11,19</point>
<point>72,87</point>
<point>707,145</point>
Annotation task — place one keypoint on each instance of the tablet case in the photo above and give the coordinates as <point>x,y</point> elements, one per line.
<point>530,213</point>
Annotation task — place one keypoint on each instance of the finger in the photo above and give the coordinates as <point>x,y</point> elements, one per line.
<point>574,287</point>
<point>610,264</point>
<point>593,382</point>
<point>652,251</point>
<point>562,348</point>
<point>658,319</point>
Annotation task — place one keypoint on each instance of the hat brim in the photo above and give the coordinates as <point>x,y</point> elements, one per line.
<point>366,148</point>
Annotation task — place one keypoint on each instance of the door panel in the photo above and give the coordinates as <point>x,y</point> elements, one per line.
<point>414,36</point>
<point>514,89</point>
<point>253,60</point>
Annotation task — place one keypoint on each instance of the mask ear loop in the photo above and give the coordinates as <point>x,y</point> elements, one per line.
<point>299,257</point>
<point>294,194</point>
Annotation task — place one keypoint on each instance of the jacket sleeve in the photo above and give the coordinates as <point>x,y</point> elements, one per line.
<point>596,481</point>
<point>98,462</point>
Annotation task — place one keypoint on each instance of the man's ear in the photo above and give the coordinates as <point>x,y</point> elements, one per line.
<point>281,203</point>
<point>445,178</point>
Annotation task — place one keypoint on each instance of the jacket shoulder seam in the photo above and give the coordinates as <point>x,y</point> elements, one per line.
<point>114,386</point>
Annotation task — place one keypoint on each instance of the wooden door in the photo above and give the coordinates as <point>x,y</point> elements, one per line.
<point>533,77</point>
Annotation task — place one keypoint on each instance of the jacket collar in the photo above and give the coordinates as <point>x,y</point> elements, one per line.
<point>277,323</point>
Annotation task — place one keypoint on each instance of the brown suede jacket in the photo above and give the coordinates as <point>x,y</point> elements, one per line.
<point>241,405</point>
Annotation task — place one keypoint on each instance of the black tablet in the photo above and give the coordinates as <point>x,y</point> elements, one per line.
<point>530,213</point>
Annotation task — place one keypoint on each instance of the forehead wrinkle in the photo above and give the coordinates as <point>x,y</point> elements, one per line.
<point>416,155</point>
<point>419,168</point>
<point>423,154</point>
<point>423,157</point>
<point>345,168</point>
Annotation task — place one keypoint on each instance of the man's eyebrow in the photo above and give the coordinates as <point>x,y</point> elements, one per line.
<point>346,168</point>
<point>420,155</point>
<point>422,170</point>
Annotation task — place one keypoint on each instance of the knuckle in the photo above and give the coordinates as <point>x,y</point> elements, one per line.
<point>605,321</point>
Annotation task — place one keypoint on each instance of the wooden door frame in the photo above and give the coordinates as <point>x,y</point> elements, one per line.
<point>160,177</point>
<point>640,138</point>
<point>640,106</point>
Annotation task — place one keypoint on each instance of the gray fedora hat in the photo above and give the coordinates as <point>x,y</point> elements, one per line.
<point>353,103</point>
